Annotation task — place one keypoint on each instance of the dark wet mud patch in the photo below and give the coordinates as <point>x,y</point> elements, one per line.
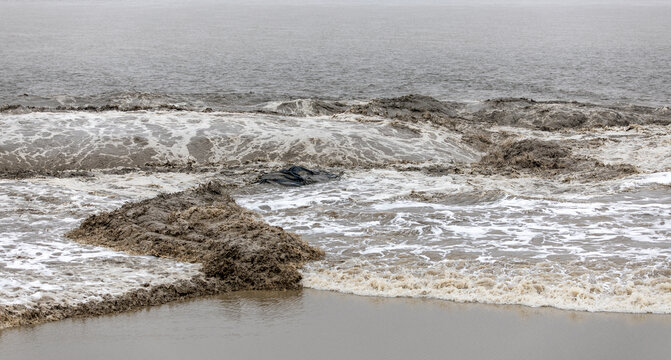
<point>548,159</point>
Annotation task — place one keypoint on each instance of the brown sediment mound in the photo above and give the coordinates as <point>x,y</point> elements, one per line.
<point>518,112</point>
<point>307,107</point>
<point>481,139</point>
<point>478,140</point>
<point>547,158</point>
<point>529,154</point>
<point>205,226</point>
<point>409,108</point>
<point>557,115</point>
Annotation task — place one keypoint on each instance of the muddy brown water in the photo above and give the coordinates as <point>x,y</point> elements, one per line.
<point>313,324</point>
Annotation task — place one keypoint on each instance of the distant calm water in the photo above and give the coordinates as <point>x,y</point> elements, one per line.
<point>593,54</point>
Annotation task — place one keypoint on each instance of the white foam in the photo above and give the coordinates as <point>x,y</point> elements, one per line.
<point>38,265</point>
<point>659,178</point>
<point>83,140</point>
<point>646,147</point>
<point>383,239</point>
<point>569,287</point>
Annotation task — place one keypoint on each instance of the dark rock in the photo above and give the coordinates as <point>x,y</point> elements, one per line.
<point>296,176</point>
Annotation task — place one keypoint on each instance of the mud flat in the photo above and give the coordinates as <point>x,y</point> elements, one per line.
<point>330,325</point>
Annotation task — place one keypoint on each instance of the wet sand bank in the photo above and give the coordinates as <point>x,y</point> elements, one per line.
<point>311,324</point>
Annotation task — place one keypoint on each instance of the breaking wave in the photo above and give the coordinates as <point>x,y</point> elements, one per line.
<point>509,201</point>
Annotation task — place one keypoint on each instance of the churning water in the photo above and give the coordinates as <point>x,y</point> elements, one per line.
<point>106,102</point>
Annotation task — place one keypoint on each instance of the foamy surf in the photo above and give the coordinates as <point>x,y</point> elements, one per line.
<point>462,239</point>
<point>39,267</point>
<point>435,199</point>
<point>53,142</point>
